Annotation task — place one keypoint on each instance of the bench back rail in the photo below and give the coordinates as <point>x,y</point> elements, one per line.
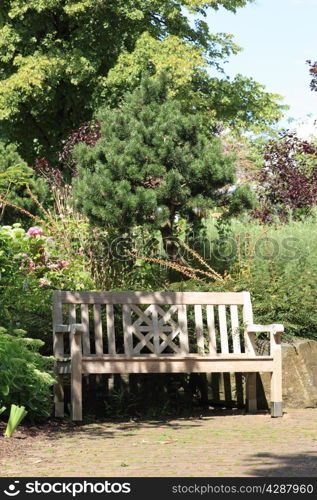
<point>157,323</point>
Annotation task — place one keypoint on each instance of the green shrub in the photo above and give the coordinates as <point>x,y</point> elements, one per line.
<point>14,174</point>
<point>24,379</point>
<point>32,265</point>
<point>278,265</point>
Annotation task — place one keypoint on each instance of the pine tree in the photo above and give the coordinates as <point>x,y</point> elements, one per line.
<point>153,163</point>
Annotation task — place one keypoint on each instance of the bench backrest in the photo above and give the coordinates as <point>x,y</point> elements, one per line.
<point>157,323</point>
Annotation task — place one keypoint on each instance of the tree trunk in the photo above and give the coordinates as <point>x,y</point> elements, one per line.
<point>169,244</point>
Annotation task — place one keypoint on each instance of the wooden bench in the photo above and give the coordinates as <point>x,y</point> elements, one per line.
<point>160,332</point>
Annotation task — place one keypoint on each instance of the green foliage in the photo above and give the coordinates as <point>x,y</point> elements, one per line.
<point>13,170</point>
<point>54,73</point>
<point>239,103</point>
<point>31,266</point>
<point>24,379</point>
<point>17,414</point>
<point>111,267</point>
<point>277,264</point>
<point>247,150</point>
<point>153,165</point>
<point>281,264</point>
<point>14,175</point>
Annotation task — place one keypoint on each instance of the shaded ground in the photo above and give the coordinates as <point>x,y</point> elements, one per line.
<point>226,443</point>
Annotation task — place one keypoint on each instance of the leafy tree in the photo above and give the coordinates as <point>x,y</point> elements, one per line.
<point>55,57</point>
<point>287,181</point>
<point>153,164</point>
<point>313,73</point>
<point>239,103</point>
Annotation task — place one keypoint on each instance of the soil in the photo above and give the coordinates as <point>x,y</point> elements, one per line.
<point>26,437</point>
<point>217,444</point>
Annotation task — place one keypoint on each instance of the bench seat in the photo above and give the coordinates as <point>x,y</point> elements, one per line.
<point>170,364</point>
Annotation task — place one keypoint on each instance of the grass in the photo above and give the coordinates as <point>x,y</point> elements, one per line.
<point>277,264</point>
<point>290,246</point>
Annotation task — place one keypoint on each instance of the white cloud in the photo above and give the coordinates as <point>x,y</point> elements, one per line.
<point>307,128</point>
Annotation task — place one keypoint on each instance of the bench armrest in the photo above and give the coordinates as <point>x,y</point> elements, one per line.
<point>275,328</point>
<point>73,328</point>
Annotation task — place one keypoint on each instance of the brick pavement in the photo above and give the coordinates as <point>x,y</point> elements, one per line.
<point>228,443</point>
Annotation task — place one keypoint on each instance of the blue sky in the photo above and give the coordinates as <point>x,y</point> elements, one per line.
<point>277,36</point>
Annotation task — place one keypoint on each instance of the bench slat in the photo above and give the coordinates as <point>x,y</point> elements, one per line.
<point>249,338</point>
<point>110,330</point>
<point>98,329</point>
<point>71,318</point>
<point>156,329</point>
<point>72,314</point>
<point>127,330</point>
<point>199,329</point>
<point>170,365</point>
<point>235,329</point>
<point>58,349</point>
<point>223,329</point>
<point>183,332</point>
<point>161,298</point>
<point>211,330</point>
<point>172,356</point>
<point>58,340</point>
<point>84,311</point>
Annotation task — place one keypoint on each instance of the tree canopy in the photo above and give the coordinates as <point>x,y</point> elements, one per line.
<point>239,103</point>
<point>154,163</point>
<point>56,57</point>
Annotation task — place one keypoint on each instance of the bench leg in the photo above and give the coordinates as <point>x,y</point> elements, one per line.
<point>251,393</point>
<point>76,377</point>
<point>59,396</point>
<point>276,394</point>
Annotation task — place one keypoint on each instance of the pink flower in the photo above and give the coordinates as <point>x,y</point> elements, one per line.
<point>64,263</point>
<point>35,231</point>
<point>31,264</point>
<point>53,266</point>
<point>43,282</point>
